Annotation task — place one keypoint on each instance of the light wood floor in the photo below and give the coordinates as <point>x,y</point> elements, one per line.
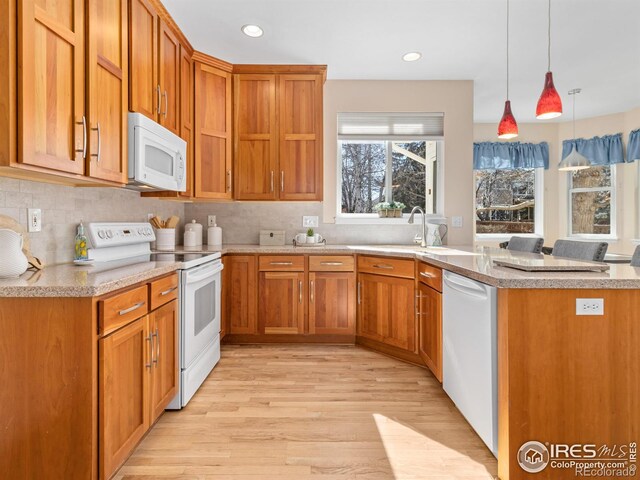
<point>308,412</point>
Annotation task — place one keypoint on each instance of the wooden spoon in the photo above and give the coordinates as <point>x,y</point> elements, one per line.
<point>172,222</point>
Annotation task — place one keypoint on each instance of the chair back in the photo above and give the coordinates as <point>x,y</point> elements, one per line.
<point>592,251</point>
<point>635,260</point>
<point>525,244</point>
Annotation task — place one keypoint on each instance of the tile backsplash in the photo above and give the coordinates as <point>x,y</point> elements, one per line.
<point>63,208</point>
<point>241,223</point>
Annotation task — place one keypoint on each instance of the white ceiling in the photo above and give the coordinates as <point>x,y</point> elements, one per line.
<point>595,44</point>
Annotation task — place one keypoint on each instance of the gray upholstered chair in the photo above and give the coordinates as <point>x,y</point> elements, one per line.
<point>593,251</point>
<point>525,244</point>
<point>635,260</point>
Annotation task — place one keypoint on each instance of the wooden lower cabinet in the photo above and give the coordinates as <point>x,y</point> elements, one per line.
<point>124,378</point>
<point>332,303</point>
<point>430,328</point>
<point>386,310</point>
<point>281,302</point>
<point>163,328</point>
<point>240,289</point>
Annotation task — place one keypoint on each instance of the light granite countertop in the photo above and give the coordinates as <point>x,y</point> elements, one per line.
<point>473,262</point>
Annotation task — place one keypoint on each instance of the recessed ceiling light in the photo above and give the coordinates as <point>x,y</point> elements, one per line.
<point>412,56</point>
<point>252,30</point>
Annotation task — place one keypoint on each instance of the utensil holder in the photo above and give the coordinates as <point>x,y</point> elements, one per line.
<point>166,239</point>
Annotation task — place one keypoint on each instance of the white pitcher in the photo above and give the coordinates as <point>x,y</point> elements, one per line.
<point>12,261</point>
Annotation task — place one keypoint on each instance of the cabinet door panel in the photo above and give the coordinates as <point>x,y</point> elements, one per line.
<point>430,319</point>
<point>213,132</point>
<point>107,87</point>
<point>164,332</point>
<point>300,133</point>
<point>143,58</point>
<point>402,324</point>
<point>241,298</point>
<point>256,174</point>
<point>51,84</point>
<point>374,296</point>
<point>332,303</point>
<point>124,378</point>
<point>186,115</point>
<point>169,74</point>
<point>281,307</point>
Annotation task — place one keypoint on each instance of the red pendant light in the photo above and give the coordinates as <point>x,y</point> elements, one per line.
<point>550,103</point>
<point>508,127</point>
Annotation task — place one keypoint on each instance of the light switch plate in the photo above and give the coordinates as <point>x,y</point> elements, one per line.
<point>310,221</point>
<point>211,220</point>
<point>456,222</point>
<point>589,306</point>
<point>34,218</point>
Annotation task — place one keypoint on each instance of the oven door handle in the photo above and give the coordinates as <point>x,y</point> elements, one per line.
<point>200,274</point>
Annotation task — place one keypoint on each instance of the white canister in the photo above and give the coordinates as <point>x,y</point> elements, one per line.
<point>12,261</point>
<point>166,238</point>
<point>189,238</point>
<point>214,236</point>
<point>197,229</point>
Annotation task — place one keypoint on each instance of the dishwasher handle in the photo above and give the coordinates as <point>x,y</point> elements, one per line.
<point>466,286</point>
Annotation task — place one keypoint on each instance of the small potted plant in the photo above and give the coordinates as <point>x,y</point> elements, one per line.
<point>310,236</point>
<point>382,208</point>
<point>389,209</point>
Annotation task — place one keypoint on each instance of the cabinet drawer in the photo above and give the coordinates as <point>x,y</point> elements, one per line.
<point>331,263</point>
<point>120,309</point>
<point>164,290</point>
<point>281,263</point>
<point>392,267</point>
<point>430,275</point>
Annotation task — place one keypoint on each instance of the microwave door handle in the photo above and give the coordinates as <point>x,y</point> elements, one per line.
<point>158,94</point>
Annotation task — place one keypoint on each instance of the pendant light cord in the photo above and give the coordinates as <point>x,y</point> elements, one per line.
<point>549,39</point>
<point>508,49</point>
<point>574,115</point>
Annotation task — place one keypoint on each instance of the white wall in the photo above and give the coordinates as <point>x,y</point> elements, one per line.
<point>453,98</point>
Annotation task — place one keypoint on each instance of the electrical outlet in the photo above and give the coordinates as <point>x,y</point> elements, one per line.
<point>211,220</point>
<point>150,216</point>
<point>309,221</point>
<point>34,217</point>
<point>456,222</point>
<point>589,306</point>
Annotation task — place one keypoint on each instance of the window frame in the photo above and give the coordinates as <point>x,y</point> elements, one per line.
<point>538,216</point>
<point>613,232</point>
<point>373,218</point>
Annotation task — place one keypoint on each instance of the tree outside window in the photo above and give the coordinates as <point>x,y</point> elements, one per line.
<point>590,199</point>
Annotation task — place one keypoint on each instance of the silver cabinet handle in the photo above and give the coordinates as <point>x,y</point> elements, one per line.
<point>332,264</point>
<point>131,309</point>
<point>158,94</point>
<point>150,356</point>
<point>166,103</point>
<point>271,181</point>
<point>282,180</point>
<point>311,291</point>
<point>167,292</point>
<point>299,291</point>
<point>229,180</point>
<point>281,263</point>
<point>83,122</point>
<point>427,275</point>
<point>157,335</point>
<point>383,266</point>
<point>359,297</point>
<point>417,303</point>
<point>98,154</point>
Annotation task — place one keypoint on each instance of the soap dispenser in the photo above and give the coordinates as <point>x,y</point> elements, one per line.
<point>81,249</point>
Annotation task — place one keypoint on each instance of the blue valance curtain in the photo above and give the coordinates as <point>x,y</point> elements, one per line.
<point>510,155</point>
<point>605,150</point>
<point>633,147</point>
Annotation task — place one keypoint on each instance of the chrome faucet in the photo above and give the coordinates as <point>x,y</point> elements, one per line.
<point>423,239</point>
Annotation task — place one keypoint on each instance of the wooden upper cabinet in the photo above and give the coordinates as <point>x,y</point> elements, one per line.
<point>213,168</point>
<point>51,85</point>
<point>144,87</point>
<point>107,87</point>
<point>300,131</point>
<point>169,75</point>
<point>186,114</point>
<point>255,133</point>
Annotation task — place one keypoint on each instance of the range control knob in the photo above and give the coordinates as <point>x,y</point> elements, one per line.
<point>101,234</point>
<point>109,234</point>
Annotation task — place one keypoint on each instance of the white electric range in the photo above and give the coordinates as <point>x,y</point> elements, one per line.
<point>199,297</point>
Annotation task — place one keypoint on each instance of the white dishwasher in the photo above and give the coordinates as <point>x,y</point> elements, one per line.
<point>470,357</point>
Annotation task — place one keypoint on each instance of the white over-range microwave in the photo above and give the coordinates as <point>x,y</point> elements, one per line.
<point>157,156</point>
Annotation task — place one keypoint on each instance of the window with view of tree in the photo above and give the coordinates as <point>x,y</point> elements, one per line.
<point>591,208</point>
<point>388,158</point>
<point>505,201</point>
